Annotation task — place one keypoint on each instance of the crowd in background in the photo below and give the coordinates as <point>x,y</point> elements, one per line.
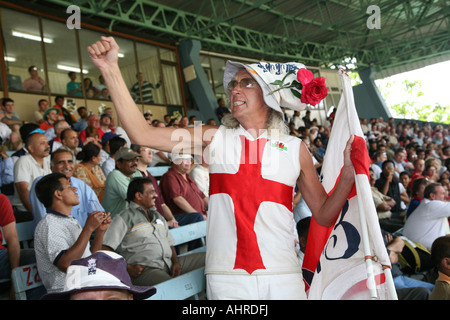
<point>416,151</point>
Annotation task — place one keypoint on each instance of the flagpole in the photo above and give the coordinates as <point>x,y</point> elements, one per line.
<point>371,284</point>
<point>390,283</point>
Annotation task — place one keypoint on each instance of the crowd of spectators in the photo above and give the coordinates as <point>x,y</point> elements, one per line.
<point>99,162</point>
<point>409,176</point>
<point>409,173</point>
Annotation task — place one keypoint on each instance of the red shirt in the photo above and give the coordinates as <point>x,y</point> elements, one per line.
<point>173,184</point>
<point>6,215</point>
<point>414,176</point>
<point>45,126</point>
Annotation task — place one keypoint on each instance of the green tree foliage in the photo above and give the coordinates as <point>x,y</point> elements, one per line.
<point>411,104</point>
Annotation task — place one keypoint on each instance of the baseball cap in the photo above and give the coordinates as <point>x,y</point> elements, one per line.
<point>107,136</point>
<point>125,154</point>
<point>101,270</point>
<point>266,73</point>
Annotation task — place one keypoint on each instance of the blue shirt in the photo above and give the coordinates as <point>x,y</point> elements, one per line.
<point>6,171</point>
<point>88,202</point>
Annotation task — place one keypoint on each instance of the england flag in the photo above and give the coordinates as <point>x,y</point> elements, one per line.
<point>348,261</point>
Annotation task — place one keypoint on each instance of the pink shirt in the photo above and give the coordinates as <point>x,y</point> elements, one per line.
<point>31,84</point>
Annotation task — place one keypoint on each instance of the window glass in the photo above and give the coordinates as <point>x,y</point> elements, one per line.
<point>147,85</point>
<point>217,70</point>
<point>170,77</point>
<point>62,59</point>
<point>23,51</point>
<point>94,83</point>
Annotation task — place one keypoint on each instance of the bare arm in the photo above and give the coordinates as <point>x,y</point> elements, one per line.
<point>104,55</point>
<point>183,204</point>
<point>94,220</point>
<point>167,213</point>
<point>22,189</point>
<point>12,239</point>
<point>12,122</point>
<point>324,208</point>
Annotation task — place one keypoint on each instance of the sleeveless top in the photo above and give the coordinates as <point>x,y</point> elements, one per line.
<point>251,229</point>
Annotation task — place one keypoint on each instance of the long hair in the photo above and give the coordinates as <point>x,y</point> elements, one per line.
<point>274,122</point>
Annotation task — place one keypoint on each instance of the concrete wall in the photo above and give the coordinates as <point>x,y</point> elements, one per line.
<point>368,100</point>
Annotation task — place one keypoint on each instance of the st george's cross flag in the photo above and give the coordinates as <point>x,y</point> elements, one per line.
<point>348,260</point>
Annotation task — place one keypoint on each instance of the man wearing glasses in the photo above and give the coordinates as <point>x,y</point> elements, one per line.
<point>59,239</point>
<point>254,167</point>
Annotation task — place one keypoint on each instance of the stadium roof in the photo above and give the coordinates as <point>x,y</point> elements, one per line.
<point>394,36</point>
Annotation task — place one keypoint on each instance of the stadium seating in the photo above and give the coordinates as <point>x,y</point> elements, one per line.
<point>190,284</point>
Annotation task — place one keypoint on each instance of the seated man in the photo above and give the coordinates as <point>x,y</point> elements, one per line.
<point>383,205</point>
<point>181,193</point>
<point>70,142</point>
<point>35,163</point>
<point>417,191</point>
<point>58,127</point>
<point>429,220</point>
<point>59,239</point>
<point>10,117</point>
<point>440,253</point>
<point>114,198</point>
<point>62,162</point>
<point>141,235</point>
<point>49,118</point>
<point>389,185</point>
<point>142,167</point>
<point>111,143</point>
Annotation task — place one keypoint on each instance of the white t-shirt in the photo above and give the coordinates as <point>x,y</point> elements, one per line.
<point>428,222</point>
<point>26,169</point>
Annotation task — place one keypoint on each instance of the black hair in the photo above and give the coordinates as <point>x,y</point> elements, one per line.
<point>46,187</point>
<point>440,249</point>
<point>431,188</point>
<point>136,185</point>
<point>386,162</point>
<point>416,185</point>
<point>62,136</point>
<point>303,227</point>
<point>115,143</point>
<point>26,129</point>
<point>90,150</point>
<point>5,100</point>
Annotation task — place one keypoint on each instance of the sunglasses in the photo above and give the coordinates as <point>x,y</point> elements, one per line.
<point>243,83</point>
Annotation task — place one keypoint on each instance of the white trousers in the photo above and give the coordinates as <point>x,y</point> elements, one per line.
<point>255,287</point>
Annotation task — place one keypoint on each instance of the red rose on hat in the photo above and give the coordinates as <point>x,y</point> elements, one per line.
<point>309,90</point>
<point>304,76</point>
<point>314,91</point>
